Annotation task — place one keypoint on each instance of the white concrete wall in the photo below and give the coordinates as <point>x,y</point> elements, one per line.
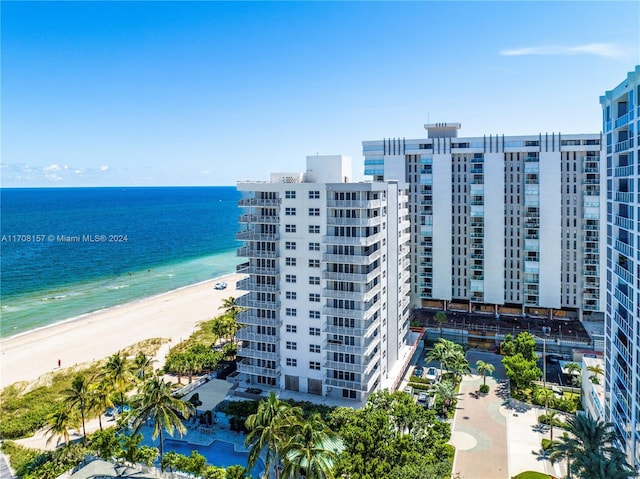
<point>494,250</point>
<point>394,168</point>
<point>328,169</point>
<point>442,218</point>
<point>393,301</point>
<point>550,229</point>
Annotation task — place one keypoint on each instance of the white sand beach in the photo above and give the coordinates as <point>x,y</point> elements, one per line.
<point>95,336</point>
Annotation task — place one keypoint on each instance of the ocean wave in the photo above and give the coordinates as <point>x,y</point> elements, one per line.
<point>9,309</point>
<point>118,287</point>
<point>49,298</point>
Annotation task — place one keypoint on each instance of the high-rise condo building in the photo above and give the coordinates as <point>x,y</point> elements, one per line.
<point>327,302</point>
<point>621,127</point>
<point>501,224</point>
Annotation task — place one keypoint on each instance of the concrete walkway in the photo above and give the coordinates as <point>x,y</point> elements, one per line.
<point>495,437</point>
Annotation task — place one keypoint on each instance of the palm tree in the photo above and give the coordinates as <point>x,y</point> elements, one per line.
<point>484,368</point>
<point>100,399</point>
<point>312,450</point>
<point>440,318</point>
<point>155,403</point>
<point>588,448</point>
<point>231,308</point>
<point>444,351</point>
<point>59,424</point>
<point>268,430</point>
<point>446,391</point>
<point>552,419</point>
<point>597,371</point>
<point>544,396</point>
<point>77,397</point>
<point>118,373</point>
<point>142,365</point>
<point>458,363</point>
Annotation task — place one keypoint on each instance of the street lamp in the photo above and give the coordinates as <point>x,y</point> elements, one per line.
<point>545,331</point>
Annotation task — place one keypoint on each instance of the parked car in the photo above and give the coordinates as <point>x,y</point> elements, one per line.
<point>423,398</point>
<point>221,285</point>
<point>409,390</point>
<point>432,374</point>
<point>418,371</point>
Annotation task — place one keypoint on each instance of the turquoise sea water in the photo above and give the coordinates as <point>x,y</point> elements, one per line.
<point>71,251</point>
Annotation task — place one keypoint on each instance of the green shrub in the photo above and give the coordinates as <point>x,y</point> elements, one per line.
<point>484,388</point>
<point>546,444</point>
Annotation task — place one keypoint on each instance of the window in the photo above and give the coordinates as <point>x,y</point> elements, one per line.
<point>292,328</point>
<point>314,280</point>
<point>314,195</point>
<point>291,195</point>
<point>290,278</point>
<point>290,245</point>
<point>314,211</point>
<point>290,228</point>
<point>292,362</point>
<point>314,331</point>
<point>290,261</point>
<point>314,348</point>
<point>314,246</point>
<point>289,211</point>
<point>314,365</point>
<point>314,314</point>
<point>314,263</point>
<point>314,297</point>
<point>292,345</point>
<point>314,229</point>
<point>291,295</point>
<point>291,312</point>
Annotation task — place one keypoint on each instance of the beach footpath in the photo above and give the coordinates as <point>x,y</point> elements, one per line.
<point>172,315</point>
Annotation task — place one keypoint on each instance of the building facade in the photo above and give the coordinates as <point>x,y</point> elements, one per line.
<point>501,225</point>
<point>621,127</point>
<point>327,287</point>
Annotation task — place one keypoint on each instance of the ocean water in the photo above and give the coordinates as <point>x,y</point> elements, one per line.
<point>71,251</point>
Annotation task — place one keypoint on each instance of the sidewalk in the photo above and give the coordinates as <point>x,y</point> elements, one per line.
<point>495,437</point>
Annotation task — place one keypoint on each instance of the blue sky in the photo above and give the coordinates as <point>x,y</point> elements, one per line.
<point>209,93</point>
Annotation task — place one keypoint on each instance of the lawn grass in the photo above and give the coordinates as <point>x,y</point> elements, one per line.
<point>24,406</point>
<point>532,475</point>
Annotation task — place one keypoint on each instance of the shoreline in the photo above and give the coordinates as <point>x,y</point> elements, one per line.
<point>82,316</point>
<point>96,335</point>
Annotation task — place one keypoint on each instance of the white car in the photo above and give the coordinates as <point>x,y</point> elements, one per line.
<point>221,285</point>
<point>409,390</point>
<point>432,374</point>
<point>423,398</point>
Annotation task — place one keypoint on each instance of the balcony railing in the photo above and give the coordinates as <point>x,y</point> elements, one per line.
<point>624,119</point>
<point>353,240</point>
<point>249,317</point>
<point>257,354</point>
<point>249,252</point>
<point>245,366</point>
<point>624,248</point>
<point>259,219</point>
<point>626,276</point>
<point>351,259</point>
<point>354,204</point>
<point>258,202</point>
<point>246,334</point>
<point>248,284</point>
<point>624,145</point>
<point>625,223</point>
<point>352,277</point>
<point>376,220</point>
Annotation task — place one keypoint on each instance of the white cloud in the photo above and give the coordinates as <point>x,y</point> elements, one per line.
<point>53,167</point>
<point>104,168</point>
<point>598,49</point>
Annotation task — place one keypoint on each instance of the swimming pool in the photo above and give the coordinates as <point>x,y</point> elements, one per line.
<point>219,453</point>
